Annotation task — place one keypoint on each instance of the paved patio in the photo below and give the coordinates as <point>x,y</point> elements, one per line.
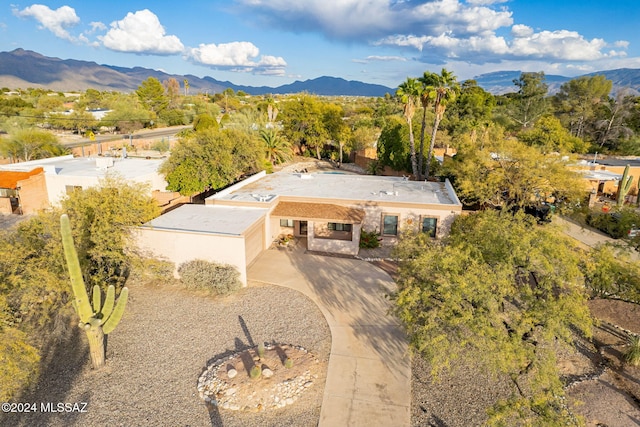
<point>369,375</point>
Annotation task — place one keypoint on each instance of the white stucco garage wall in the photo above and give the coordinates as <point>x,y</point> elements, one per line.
<point>180,247</point>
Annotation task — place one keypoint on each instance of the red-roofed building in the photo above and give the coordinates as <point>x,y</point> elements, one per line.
<point>23,192</point>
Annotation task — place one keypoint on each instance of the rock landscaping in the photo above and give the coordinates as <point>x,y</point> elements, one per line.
<point>259,379</point>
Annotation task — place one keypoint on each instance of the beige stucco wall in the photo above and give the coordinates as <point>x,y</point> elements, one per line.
<point>5,205</point>
<point>33,194</point>
<point>180,247</point>
<point>409,218</point>
<point>346,247</point>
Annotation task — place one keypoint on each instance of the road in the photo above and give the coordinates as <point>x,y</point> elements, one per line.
<point>145,133</point>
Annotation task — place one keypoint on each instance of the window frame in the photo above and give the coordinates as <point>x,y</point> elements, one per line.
<point>285,223</point>
<point>397,225</point>
<point>434,232</point>
<point>340,226</point>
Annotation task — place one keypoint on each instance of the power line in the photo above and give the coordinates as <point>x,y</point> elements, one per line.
<point>79,119</point>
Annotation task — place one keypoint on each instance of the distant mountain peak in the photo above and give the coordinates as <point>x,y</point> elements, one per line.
<point>22,68</point>
<point>25,68</point>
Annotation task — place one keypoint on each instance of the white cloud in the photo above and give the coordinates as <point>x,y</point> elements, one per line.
<point>57,21</point>
<point>486,2</point>
<point>386,58</point>
<point>520,30</point>
<point>238,56</point>
<point>367,20</point>
<point>97,26</point>
<point>440,30</point>
<point>141,32</point>
<point>561,45</point>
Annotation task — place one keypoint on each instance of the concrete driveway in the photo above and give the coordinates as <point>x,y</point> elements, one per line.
<point>591,238</point>
<point>369,374</point>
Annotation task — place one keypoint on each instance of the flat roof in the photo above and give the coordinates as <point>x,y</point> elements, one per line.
<point>223,220</point>
<point>89,166</point>
<point>601,175</point>
<point>358,188</point>
<point>10,179</point>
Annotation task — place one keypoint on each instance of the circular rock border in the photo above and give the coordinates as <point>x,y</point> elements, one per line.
<point>285,373</point>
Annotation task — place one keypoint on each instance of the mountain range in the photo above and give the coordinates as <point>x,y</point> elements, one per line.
<point>23,68</point>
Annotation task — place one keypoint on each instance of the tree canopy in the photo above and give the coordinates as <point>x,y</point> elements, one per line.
<point>35,305</point>
<point>507,173</point>
<point>212,159</point>
<point>502,292</point>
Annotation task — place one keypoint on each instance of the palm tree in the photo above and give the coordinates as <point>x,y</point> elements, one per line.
<point>277,150</point>
<point>446,88</point>
<point>427,95</point>
<point>408,91</point>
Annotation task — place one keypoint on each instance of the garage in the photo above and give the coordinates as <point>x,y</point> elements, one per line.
<point>224,234</point>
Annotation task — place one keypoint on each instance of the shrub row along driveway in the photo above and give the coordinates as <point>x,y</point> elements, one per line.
<point>369,376</point>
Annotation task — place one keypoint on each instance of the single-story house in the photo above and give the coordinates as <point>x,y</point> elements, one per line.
<point>22,192</point>
<point>327,211</point>
<point>61,175</point>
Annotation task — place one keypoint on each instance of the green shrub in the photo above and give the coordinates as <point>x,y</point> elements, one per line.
<point>255,372</point>
<point>288,363</point>
<point>216,278</point>
<point>616,224</point>
<point>152,271</point>
<point>369,239</point>
<point>18,363</point>
<point>632,356</point>
<point>261,350</point>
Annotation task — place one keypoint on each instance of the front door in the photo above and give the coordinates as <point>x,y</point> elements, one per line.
<point>303,228</point>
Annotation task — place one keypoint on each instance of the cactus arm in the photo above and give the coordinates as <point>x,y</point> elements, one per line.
<point>624,186</point>
<point>77,282</point>
<point>107,308</point>
<point>113,320</point>
<point>96,297</point>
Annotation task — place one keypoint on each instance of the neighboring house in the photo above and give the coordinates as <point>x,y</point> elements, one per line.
<point>326,210</point>
<point>64,174</point>
<point>604,175</point>
<point>22,192</point>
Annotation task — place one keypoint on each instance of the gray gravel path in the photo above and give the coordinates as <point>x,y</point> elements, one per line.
<point>163,344</point>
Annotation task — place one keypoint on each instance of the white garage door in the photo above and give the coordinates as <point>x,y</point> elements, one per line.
<point>254,242</point>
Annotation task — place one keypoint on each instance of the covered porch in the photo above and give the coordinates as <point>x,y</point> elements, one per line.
<point>325,227</point>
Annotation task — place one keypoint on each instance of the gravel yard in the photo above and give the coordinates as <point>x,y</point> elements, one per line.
<point>169,335</point>
<point>157,353</point>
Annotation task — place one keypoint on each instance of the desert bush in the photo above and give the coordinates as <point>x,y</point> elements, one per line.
<point>216,278</point>
<point>18,362</point>
<point>152,271</point>
<point>632,356</point>
<point>616,224</point>
<point>369,239</point>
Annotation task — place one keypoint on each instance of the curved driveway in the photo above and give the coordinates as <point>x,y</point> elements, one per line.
<point>369,374</point>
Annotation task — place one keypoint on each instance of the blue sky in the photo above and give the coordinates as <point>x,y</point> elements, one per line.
<point>274,42</point>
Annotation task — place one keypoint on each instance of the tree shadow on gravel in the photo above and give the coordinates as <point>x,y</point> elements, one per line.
<point>247,361</point>
<point>62,363</point>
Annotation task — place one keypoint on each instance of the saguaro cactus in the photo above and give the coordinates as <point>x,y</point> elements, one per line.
<point>96,319</point>
<point>624,186</point>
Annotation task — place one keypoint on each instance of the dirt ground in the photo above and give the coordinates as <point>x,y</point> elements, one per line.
<point>613,398</point>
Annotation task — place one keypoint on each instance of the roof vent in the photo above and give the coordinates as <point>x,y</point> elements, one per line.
<point>104,162</point>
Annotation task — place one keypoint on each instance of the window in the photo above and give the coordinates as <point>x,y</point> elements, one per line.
<point>286,223</point>
<point>429,226</point>
<point>336,226</point>
<point>390,225</point>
